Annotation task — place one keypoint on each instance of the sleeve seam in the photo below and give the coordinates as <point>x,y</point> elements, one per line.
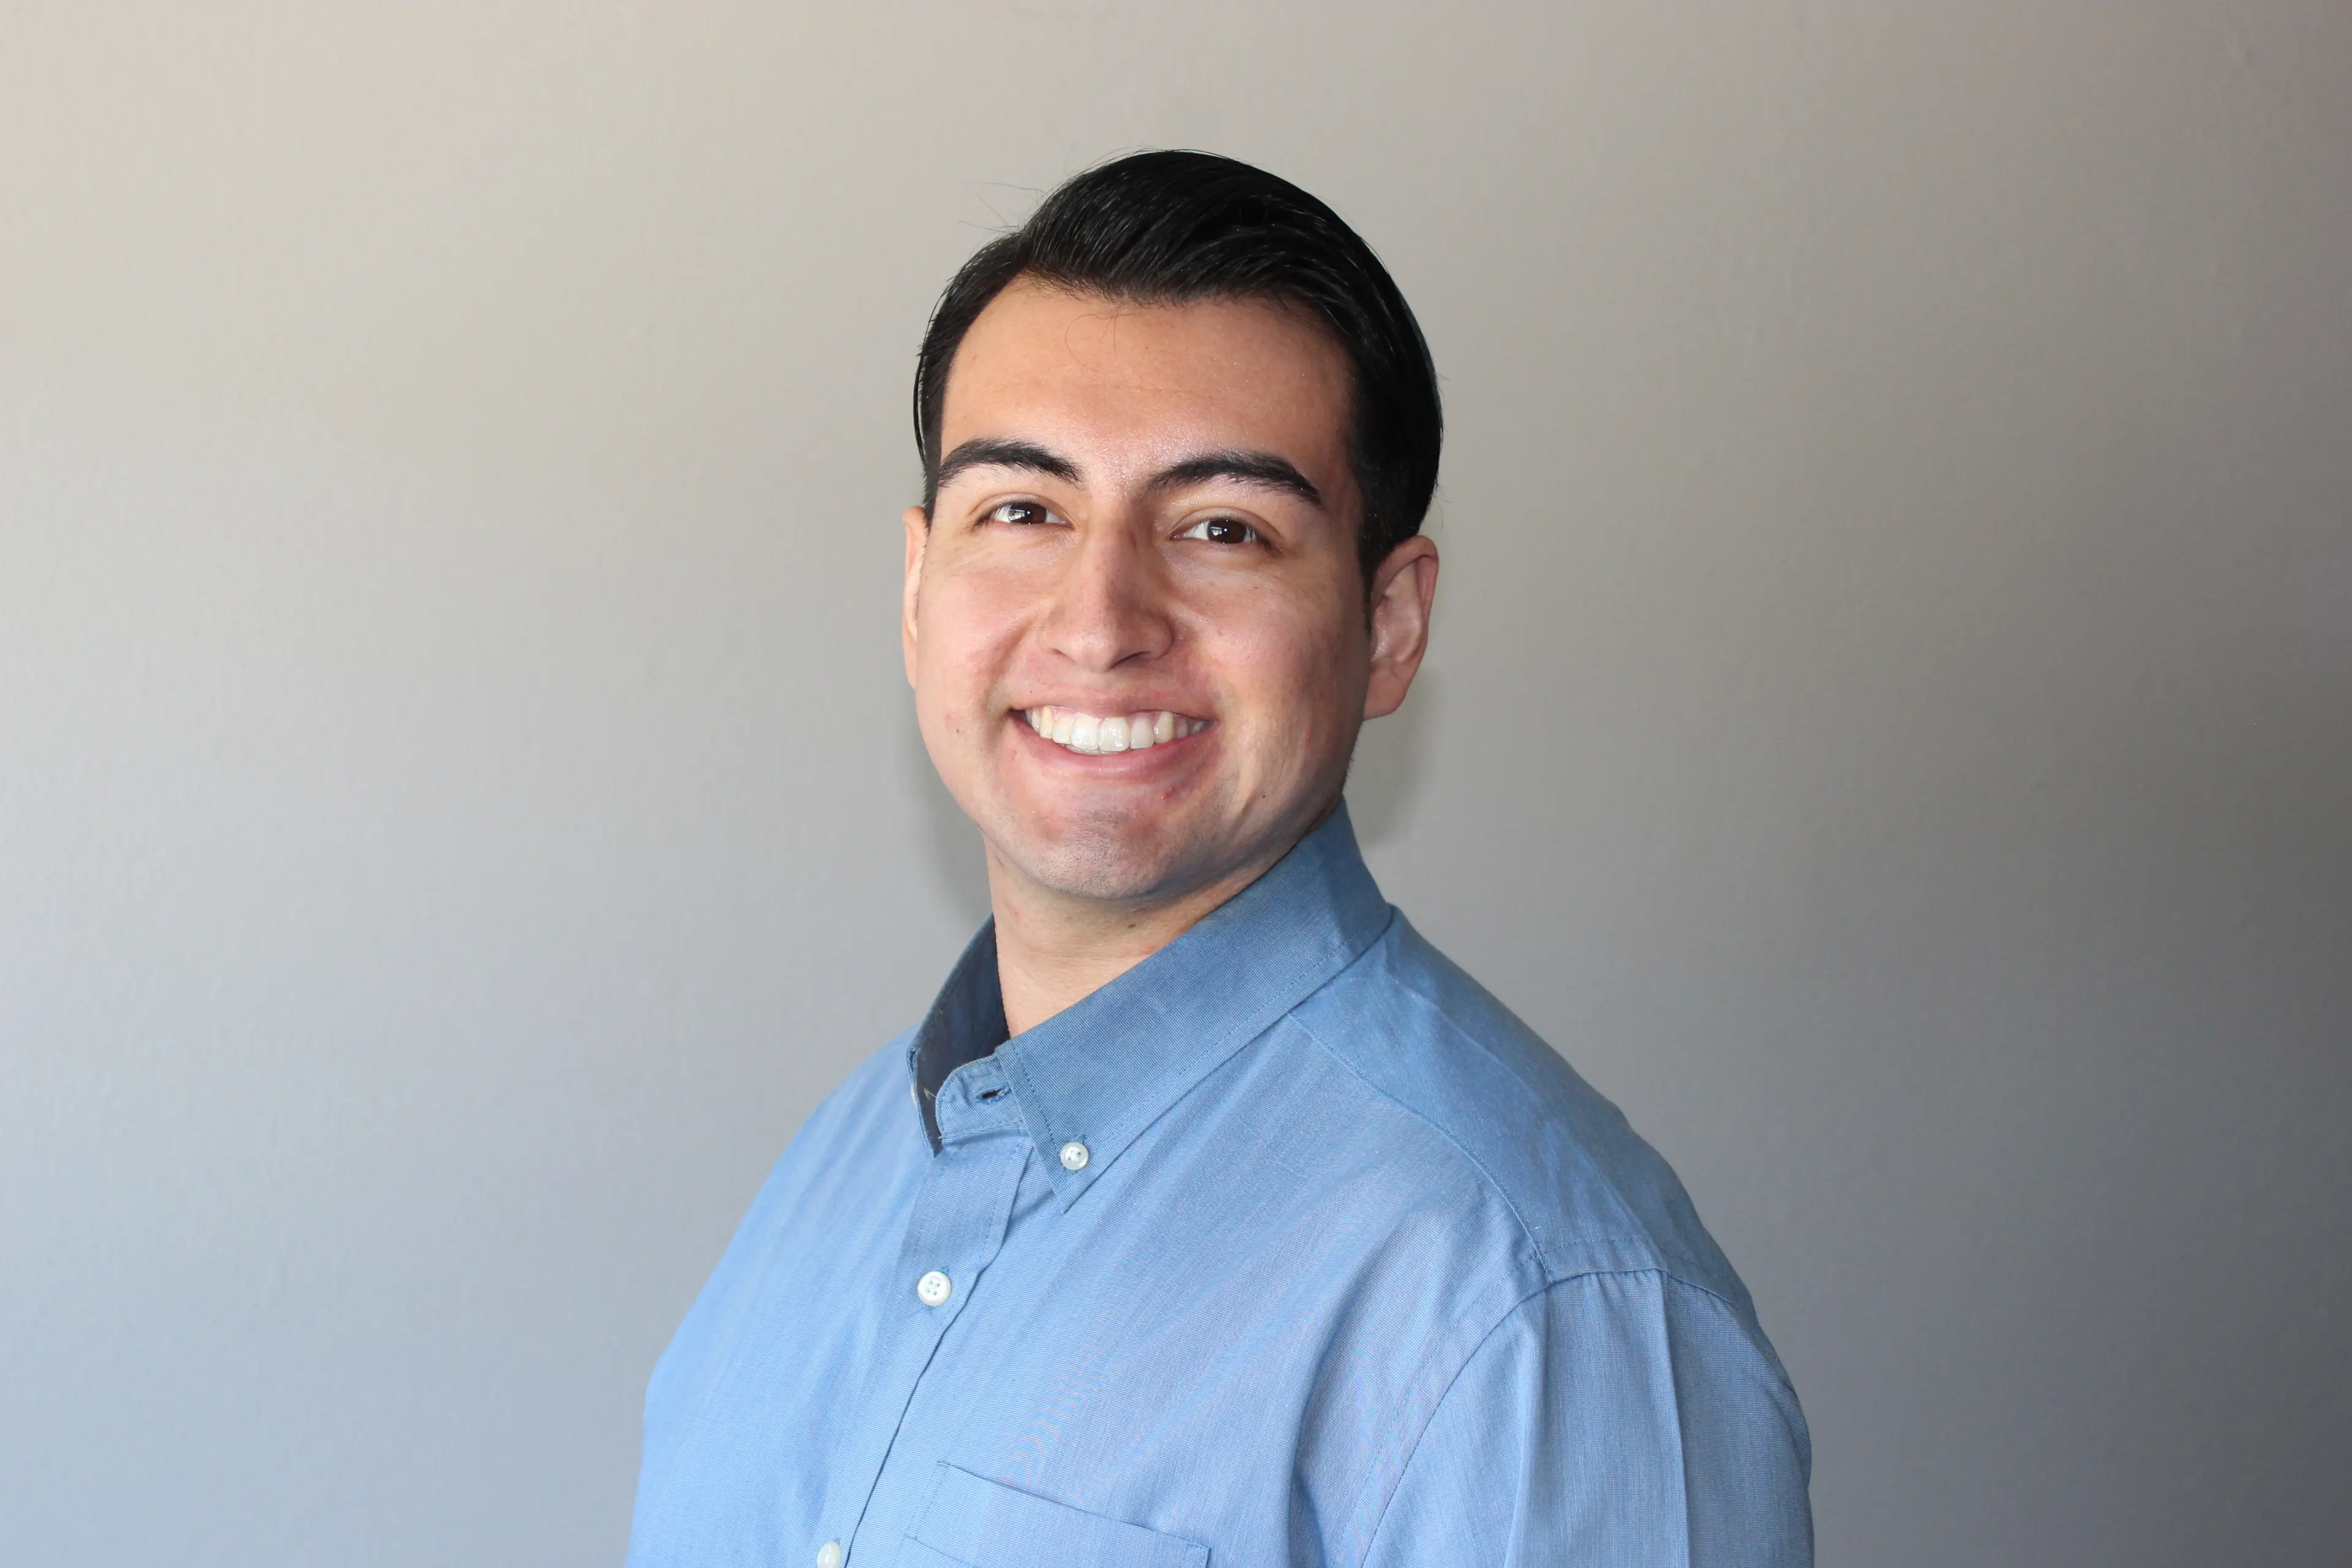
<point>1371,1542</point>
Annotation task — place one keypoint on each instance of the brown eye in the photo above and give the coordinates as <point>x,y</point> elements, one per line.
<point>1222,531</point>
<point>1026,512</point>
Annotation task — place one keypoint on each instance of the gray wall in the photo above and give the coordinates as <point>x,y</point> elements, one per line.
<point>1891,721</point>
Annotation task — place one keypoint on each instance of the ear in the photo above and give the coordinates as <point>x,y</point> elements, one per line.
<point>919,534</point>
<point>1404,588</point>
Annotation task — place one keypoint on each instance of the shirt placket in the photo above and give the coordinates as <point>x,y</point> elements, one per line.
<point>953,1233</point>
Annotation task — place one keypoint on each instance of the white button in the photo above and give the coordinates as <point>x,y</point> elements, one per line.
<point>829,1555</point>
<point>1074,1155</point>
<point>933,1288</point>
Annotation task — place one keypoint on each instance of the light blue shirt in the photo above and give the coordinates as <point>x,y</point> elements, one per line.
<point>1290,1245</point>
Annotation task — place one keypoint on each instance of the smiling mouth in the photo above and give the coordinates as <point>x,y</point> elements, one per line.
<point>1091,736</point>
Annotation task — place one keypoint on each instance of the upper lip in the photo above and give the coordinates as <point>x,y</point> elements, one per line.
<point>1105,707</point>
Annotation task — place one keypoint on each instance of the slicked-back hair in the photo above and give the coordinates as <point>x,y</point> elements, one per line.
<point>1174,227</point>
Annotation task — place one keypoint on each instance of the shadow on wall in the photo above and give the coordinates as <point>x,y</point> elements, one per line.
<point>1391,763</point>
<point>1384,781</point>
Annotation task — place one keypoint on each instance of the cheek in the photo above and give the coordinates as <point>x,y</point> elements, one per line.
<point>966,639</point>
<point>1292,666</point>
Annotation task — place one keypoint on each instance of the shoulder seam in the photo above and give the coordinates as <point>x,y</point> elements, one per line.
<point>1475,1164</point>
<point>1552,1269</point>
<point>1406,982</point>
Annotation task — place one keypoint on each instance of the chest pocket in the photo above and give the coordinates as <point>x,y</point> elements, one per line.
<point>976,1524</point>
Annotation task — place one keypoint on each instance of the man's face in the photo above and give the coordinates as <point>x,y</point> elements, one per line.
<point>1134,621</point>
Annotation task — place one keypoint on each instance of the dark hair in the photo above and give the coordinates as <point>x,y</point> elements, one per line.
<point>1172,227</point>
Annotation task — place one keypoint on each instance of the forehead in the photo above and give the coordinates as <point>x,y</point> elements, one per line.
<point>1083,369</point>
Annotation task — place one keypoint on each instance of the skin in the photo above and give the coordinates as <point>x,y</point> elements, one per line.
<point>1089,548</point>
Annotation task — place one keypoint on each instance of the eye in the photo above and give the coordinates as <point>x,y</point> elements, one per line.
<point>1021,514</point>
<point>1222,531</point>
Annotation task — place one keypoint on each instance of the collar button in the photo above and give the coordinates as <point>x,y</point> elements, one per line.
<point>1075,1155</point>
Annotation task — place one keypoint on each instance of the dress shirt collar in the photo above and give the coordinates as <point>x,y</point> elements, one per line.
<point>1099,1072</point>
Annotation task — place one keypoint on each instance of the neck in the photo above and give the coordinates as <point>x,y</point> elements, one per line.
<point>1054,949</point>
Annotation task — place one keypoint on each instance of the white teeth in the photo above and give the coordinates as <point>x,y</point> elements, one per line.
<point>1094,737</point>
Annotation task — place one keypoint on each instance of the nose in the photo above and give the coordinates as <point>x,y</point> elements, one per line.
<point>1110,603</point>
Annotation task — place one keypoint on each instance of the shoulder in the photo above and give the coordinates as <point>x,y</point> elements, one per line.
<point>877,1091</point>
<point>870,1114</point>
<point>1498,1109</point>
<point>863,1139</point>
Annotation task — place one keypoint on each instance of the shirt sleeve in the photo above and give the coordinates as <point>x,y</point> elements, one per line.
<point>1628,1420</point>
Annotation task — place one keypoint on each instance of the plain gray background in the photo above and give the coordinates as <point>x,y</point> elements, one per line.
<point>1890,724</point>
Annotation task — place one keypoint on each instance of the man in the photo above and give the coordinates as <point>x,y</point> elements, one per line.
<point>1211,1215</point>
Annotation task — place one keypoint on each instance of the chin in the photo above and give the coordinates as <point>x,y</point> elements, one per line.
<point>1102,868</point>
<point>1113,861</point>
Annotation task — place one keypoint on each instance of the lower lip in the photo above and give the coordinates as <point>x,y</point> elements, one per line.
<point>1111,765</point>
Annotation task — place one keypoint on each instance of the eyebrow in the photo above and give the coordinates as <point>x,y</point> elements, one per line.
<point>1264,470</point>
<point>992,452</point>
